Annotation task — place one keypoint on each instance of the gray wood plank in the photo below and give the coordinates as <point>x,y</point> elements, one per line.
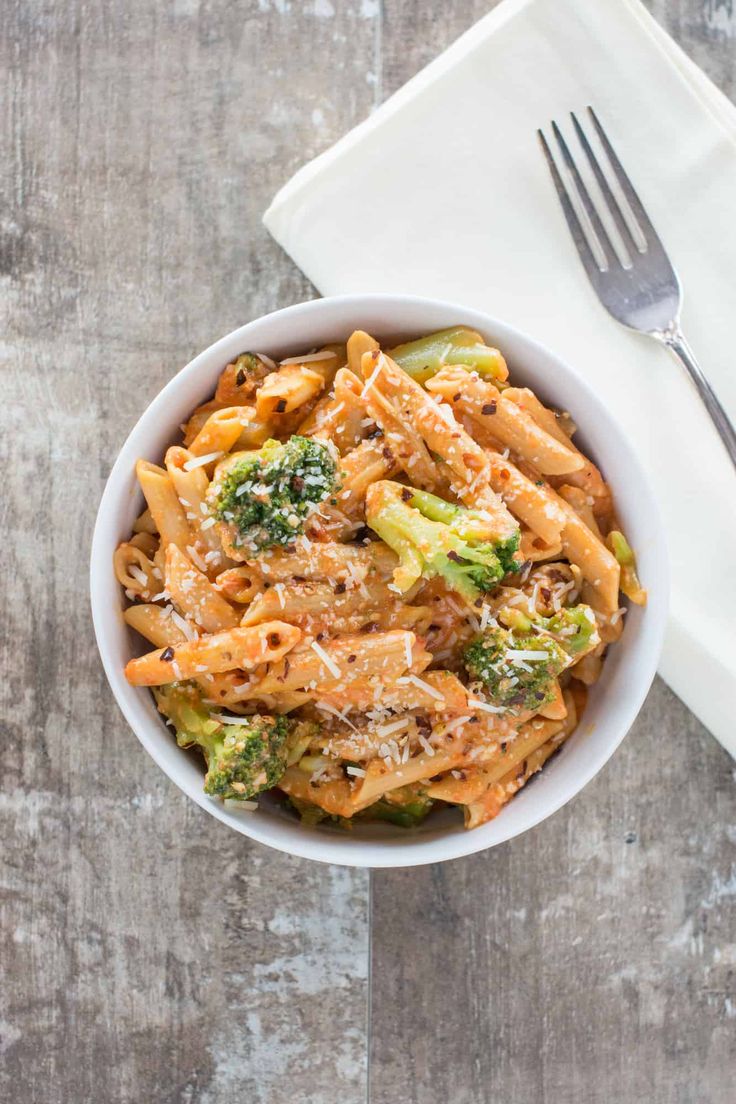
<point>592,959</point>
<point>148,953</point>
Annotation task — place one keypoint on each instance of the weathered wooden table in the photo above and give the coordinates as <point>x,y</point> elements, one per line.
<point>150,954</point>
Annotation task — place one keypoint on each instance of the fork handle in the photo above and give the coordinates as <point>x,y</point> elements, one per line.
<point>675,341</point>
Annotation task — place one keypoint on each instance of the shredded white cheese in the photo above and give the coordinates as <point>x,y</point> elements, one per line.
<point>329,663</point>
<point>422,685</point>
<point>325,354</point>
<point>200,461</point>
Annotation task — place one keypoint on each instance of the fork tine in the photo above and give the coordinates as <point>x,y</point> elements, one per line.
<point>590,209</point>
<point>579,236</point>
<point>613,205</point>
<point>645,225</point>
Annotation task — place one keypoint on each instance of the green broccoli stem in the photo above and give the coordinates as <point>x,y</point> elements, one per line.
<point>422,358</point>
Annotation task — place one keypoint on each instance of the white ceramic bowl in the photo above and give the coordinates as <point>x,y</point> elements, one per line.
<point>627,672</point>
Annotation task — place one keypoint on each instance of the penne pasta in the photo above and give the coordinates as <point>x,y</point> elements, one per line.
<point>163,503</point>
<point>506,422</point>
<point>526,499</point>
<point>287,390</point>
<point>222,430</point>
<point>195,596</point>
<point>237,648</point>
<point>337,662</point>
<point>135,571</point>
<point>191,488</point>
<point>588,477</point>
<point>155,624</point>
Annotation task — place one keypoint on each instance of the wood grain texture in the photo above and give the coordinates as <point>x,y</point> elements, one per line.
<point>149,954</point>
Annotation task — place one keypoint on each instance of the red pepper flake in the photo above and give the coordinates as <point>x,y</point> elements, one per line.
<point>352,658</point>
<point>504,473</point>
<point>456,397</point>
<point>406,495</point>
<point>340,588</point>
<point>387,453</point>
<point>489,408</point>
<point>167,655</point>
<point>240,378</point>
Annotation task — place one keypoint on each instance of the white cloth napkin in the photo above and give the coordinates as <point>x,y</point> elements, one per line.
<point>443,192</point>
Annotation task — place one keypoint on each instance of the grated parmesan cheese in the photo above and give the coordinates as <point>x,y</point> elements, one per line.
<point>200,461</point>
<point>328,662</point>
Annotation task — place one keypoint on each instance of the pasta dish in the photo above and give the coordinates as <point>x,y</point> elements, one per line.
<point>376,581</point>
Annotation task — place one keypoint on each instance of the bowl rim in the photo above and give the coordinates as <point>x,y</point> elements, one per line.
<point>323,847</point>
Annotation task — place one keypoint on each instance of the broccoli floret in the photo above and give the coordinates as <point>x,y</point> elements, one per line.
<point>434,537</point>
<point>242,759</point>
<point>516,669</point>
<point>574,627</point>
<point>264,497</point>
<point>506,551</point>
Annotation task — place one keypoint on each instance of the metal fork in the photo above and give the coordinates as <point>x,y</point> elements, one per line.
<point>637,285</point>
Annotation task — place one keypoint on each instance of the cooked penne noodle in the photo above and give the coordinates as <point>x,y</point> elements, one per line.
<point>239,584</point>
<point>535,549</point>
<point>526,499</point>
<point>512,753</point>
<point>163,503</point>
<point>221,431</point>
<point>581,504</point>
<point>363,465</point>
<point>135,571</point>
<point>588,477</point>
<point>556,709</point>
<point>288,389</point>
<point>334,664</point>
<point>191,489</point>
<point>197,419</point>
<point>380,780</point>
<point>316,601</point>
<point>596,563</point>
<point>400,436</point>
<point>334,797</point>
<point>501,792</point>
<point>237,648</point>
<point>155,624</point>
<point>349,563</point>
<point>195,595</point>
<point>339,417</point>
<point>505,421</point>
<point>435,692</point>
<point>144,523</point>
<point>397,602</point>
<point>360,343</point>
